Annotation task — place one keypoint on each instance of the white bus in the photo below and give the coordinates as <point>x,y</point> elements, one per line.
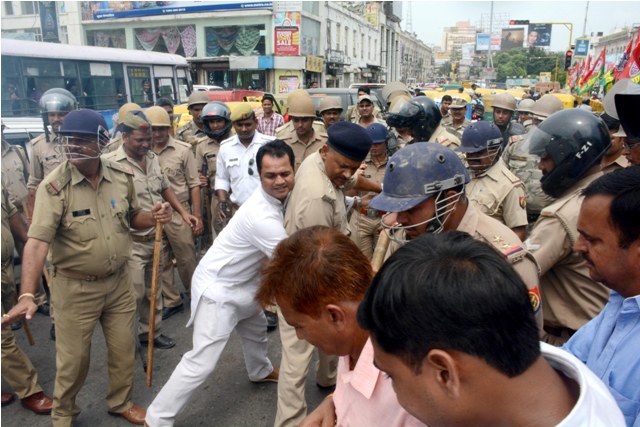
<point>101,78</point>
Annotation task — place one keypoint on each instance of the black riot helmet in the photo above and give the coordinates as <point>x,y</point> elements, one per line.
<point>420,114</point>
<point>575,140</point>
<point>56,100</point>
<point>216,110</point>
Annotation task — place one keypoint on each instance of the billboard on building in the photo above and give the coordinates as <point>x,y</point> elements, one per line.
<point>287,33</point>
<point>539,35</point>
<point>467,53</point>
<point>49,21</point>
<point>371,12</point>
<point>512,38</point>
<point>99,10</point>
<point>484,41</point>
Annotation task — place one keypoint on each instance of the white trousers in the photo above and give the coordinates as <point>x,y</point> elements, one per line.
<point>196,365</point>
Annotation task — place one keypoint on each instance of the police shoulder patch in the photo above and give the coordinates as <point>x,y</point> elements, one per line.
<point>120,167</point>
<point>523,202</point>
<point>58,182</point>
<point>536,300</point>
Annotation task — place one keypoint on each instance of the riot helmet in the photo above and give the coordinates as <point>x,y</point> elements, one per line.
<point>420,114</point>
<point>83,127</point>
<point>216,110</point>
<point>56,100</point>
<point>575,140</point>
<point>416,173</point>
<point>485,139</point>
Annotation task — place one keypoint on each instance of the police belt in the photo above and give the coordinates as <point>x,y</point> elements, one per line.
<point>144,239</point>
<point>78,275</point>
<point>371,213</point>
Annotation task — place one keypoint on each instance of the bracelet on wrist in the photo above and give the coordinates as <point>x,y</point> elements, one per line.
<point>27,294</point>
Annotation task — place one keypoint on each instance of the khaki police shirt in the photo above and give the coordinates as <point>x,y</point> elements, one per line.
<point>15,173</point>
<point>179,166</point>
<point>45,157</point>
<point>457,130</point>
<point>499,194</point>
<point>87,228</point>
<point>190,133</point>
<point>208,150</point>
<point>442,136</point>
<point>374,172</point>
<point>301,150</point>
<point>148,185</point>
<point>620,163</point>
<point>8,244</point>
<point>484,228</point>
<point>315,200</point>
<point>571,297</point>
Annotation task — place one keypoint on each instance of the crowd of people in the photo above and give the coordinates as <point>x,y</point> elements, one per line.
<point>447,271</point>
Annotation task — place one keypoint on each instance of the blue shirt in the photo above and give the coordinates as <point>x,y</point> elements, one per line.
<point>610,346</point>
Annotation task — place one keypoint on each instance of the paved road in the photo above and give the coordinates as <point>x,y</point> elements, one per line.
<point>227,398</point>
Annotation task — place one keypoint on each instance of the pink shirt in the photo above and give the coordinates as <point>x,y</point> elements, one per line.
<point>365,396</point>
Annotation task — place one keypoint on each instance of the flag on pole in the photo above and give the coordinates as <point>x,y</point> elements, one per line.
<point>595,74</point>
<point>631,67</point>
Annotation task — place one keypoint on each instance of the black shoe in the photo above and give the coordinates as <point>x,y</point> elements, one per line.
<point>170,311</point>
<point>52,332</point>
<point>272,320</point>
<point>44,309</point>
<point>16,325</point>
<point>162,342</point>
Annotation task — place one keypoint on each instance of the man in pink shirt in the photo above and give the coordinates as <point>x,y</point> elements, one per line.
<point>318,276</point>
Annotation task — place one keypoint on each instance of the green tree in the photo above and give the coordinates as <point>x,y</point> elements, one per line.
<point>529,62</point>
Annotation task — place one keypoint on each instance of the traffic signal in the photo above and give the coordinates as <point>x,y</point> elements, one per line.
<point>567,60</point>
<point>519,22</point>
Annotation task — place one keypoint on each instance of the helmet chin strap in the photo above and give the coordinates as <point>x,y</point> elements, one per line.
<point>445,206</point>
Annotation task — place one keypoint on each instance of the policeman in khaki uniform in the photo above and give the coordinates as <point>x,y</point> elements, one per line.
<point>524,165</point>
<point>330,110</point>
<point>179,166</point>
<point>45,153</point>
<point>494,190</point>
<point>216,117</point>
<point>570,140</point>
<point>424,189</point>
<point>116,141</point>
<point>287,128</point>
<point>318,199</point>
<point>193,131</point>
<point>525,114</point>
<point>17,370</point>
<point>504,105</point>
<point>459,121</point>
<point>84,209</point>
<point>15,173</point>
<point>302,138</point>
<point>151,186</point>
<point>46,156</point>
<point>422,116</point>
<point>364,221</point>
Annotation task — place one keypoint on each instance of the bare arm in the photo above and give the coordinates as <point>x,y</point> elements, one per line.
<point>366,184</point>
<point>35,252</point>
<point>161,212</point>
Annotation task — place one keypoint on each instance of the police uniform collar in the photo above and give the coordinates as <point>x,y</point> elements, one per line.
<point>122,154</point>
<point>469,222</point>
<point>330,189</point>
<point>170,144</point>
<point>313,138</point>
<point>77,177</point>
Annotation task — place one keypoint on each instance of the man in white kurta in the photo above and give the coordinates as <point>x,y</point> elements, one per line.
<point>224,286</point>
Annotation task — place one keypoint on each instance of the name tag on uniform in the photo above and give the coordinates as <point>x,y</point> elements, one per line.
<point>233,162</point>
<point>210,155</point>
<point>82,212</point>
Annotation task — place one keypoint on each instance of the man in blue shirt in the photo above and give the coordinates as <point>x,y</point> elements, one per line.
<point>609,240</point>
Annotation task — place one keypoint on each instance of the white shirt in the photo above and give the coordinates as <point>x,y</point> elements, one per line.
<point>234,164</point>
<point>595,406</point>
<point>229,273</point>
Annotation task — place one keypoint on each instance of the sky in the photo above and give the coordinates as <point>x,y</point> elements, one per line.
<point>431,17</point>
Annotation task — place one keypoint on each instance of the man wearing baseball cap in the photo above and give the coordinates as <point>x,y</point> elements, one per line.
<point>318,199</point>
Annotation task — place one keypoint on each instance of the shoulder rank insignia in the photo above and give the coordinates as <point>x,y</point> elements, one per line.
<point>55,186</point>
<point>536,300</point>
<point>523,202</point>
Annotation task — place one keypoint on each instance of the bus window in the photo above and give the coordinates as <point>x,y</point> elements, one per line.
<point>140,85</point>
<point>183,86</point>
<point>165,89</point>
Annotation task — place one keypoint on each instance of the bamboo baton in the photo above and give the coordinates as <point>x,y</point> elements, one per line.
<point>380,251</point>
<point>157,247</point>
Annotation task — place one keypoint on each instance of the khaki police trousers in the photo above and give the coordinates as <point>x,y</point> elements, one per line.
<point>141,267</point>
<point>294,368</point>
<point>80,305</point>
<point>17,369</point>
<point>182,247</point>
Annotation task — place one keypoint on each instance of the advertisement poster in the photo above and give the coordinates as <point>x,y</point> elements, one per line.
<point>512,38</point>
<point>287,33</point>
<point>539,35</point>
<point>483,41</point>
<point>582,48</point>
<point>287,84</point>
